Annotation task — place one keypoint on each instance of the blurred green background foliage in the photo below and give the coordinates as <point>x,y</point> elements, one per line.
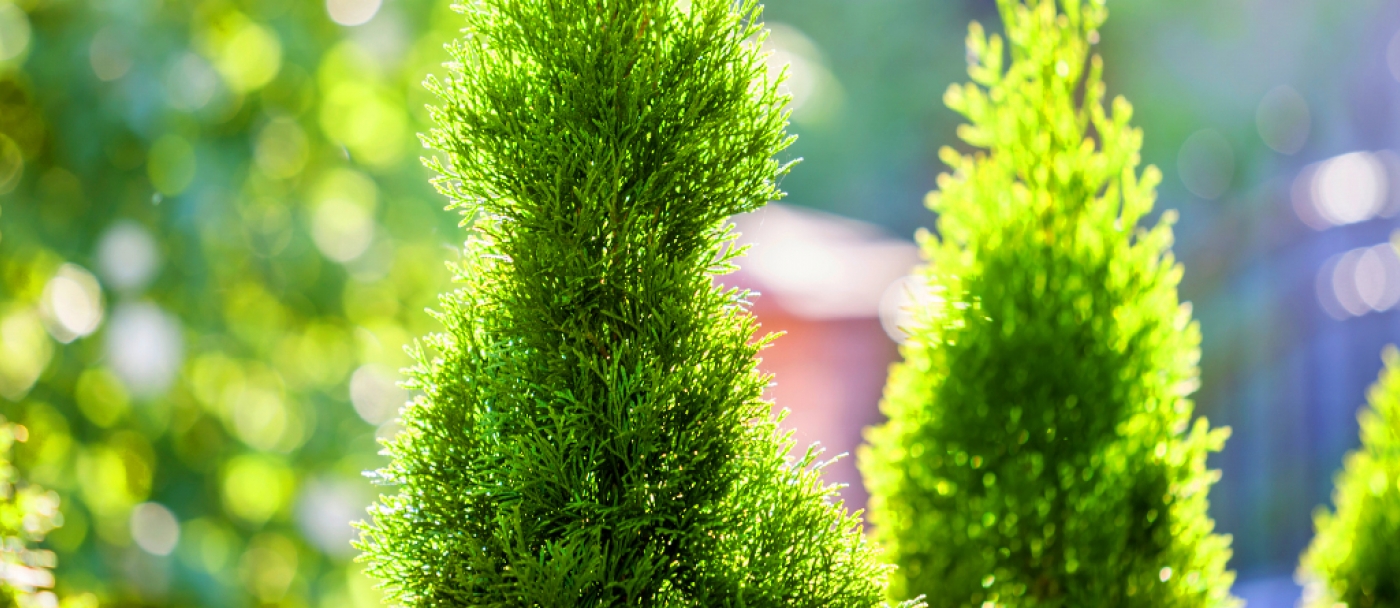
<point>216,237</point>
<point>217,240</point>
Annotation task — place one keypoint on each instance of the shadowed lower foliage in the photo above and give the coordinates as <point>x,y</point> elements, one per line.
<point>590,429</point>
<point>1354,560</point>
<point>1040,449</point>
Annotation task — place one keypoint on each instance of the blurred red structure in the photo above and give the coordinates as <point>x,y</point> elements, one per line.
<point>824,281</point>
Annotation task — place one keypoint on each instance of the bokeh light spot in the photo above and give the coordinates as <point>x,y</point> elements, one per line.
<point>258,411</point>
<point>208,545</point>
<point>1371,279</point>
<point>128,256</point>
<point>1359,281</point>
<point>369,121</point>
<point>144,347</point>
<point>342,214</point>
<point>101,396</point>
<point>1349,188</point>
<point>321,355</point>
<point>256,487</point>
<point>352,12</point>
<point>114,476</point>
<point>281,149</point>
<point>154,528</point>
<point>1283,120</point>
<point>259,417</point>
<point>109,54</point>
<point>375,393</point>
<point>1344,284</point>
<point>171,165</point>
<point>190,82</point>
<point>25,350</point>
<point>325,511</point>
<point>269,566</point>
<point>72,304</point>
<point>247,54</point>
<point>341,229</point>
<point>14,31</point>
<point>1206,164</point>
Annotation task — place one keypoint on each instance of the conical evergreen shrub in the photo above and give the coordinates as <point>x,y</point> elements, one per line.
<point>1040,449</point>
<point>1354,560</point>
<point>590,429</point>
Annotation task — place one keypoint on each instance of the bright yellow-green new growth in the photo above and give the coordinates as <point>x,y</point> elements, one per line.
<point>1040,450</point>
<point>27,514</point>
<point>1354,560</point>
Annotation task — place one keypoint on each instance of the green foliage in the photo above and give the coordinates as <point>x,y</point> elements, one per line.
<point>27,514</point>
<point>1355,558</point>
<point>293,140</point>
<point>1040,450</point>
<point>590,429</point>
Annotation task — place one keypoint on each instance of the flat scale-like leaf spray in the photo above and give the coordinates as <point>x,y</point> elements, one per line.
<point>1040,449</point>
<point>590,429</point>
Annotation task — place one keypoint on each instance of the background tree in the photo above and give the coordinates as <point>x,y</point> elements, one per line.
<point>1039,449</point>
<point>1354,559</point>
<point>591,430</point>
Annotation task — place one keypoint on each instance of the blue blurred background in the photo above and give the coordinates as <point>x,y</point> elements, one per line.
<point>215,237</point>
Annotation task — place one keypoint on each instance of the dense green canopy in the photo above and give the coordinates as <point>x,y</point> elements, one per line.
<point>590,429</point>
<point>1040,450</point>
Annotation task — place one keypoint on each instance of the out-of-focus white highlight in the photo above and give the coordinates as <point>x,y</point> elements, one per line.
<point>352,12</point>
<point>325,511</point>
<point>342,214</point>
<point>1350,188</point>
<point>375,393</point>
<point>898,306</point>
<point>154,528</point>
<point>1360,281</point>
<point>1346,189</point>
<point>342,230</point>
<point>145,347</point>
<point>72,304</point>
<point>128,256</point>
<point>190,82</point>
<point>821,266</point>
